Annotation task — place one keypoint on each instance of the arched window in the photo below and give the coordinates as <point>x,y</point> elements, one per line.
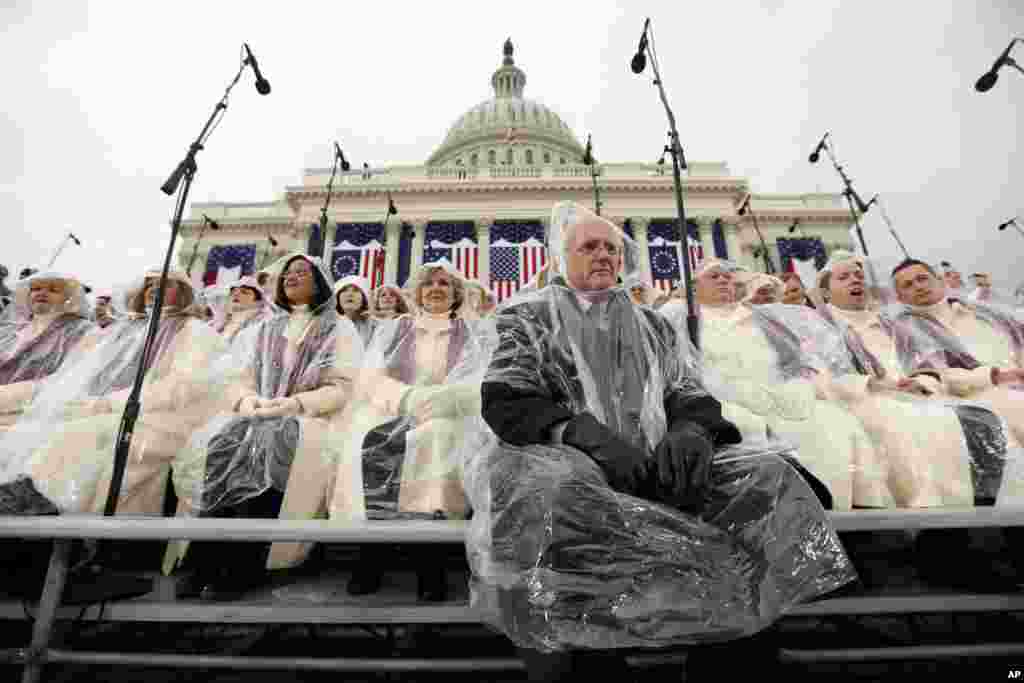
<point>547,157</point>
<point>509,158</point>
<point>492,157</point>
<point>474,159</point>
<point>529,157</point>
<point>561,160</point>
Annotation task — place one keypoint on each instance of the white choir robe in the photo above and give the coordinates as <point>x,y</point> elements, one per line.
<point>830,442</point>
<point>993,349</point>
<point>920,440</point>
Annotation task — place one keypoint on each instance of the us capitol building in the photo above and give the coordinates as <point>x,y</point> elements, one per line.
<point>482,200</point>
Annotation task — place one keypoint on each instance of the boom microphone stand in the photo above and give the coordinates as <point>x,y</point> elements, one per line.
<point>637,65</point>
<point>70,237</point>
<point>186,170</point>
<point>1014,223</point>
<point>588,159</point>
<point>214,225</point>
<point>769,265</point>
<point>857,205</point>
<point>319,247</point>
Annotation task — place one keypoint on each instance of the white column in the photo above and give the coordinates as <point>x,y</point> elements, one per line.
<point>419,226</point>
<point>483,241</point>
<point>640,237</point>
<point>732,241</point>
<point>392,240</point>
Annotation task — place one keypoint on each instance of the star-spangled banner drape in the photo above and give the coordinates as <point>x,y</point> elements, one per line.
<point>804,256</point>
<point>517,253</point>
<point>227,259</point>
<point>358,250</point>
<point>456,242</point>
<point>665,250</point>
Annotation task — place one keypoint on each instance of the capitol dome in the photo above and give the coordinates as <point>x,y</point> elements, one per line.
<point>508,129</point>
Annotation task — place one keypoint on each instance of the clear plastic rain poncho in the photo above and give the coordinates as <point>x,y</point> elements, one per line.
<point>560,559</point>
<point>363,320</point>
<point>236,320</point>
<point>937,450</point>
<point>768,377</point>
<point>417,394</point>
<point>275,431</point>
<point>35,346</point>
<point>65,440</point>
<point>930,343</point>
<point>926,343</point>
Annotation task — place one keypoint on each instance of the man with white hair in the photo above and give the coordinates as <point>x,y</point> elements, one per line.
<point>614,508</point>
<point>33,349</point>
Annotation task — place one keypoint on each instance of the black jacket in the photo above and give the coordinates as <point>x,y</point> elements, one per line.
<point>533,383</point>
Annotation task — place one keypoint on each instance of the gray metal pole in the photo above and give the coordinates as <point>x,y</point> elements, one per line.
<point>53,589</point>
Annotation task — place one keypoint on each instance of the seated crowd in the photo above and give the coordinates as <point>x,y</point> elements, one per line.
<point>624,489</point>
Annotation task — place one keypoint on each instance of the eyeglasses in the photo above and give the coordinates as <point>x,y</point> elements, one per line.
<point>299,274</point>
<point>590,248</point>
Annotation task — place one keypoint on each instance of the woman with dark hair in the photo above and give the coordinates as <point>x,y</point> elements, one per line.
<point>400,460</point>
<point>352,300</point>
<point>272,455</point>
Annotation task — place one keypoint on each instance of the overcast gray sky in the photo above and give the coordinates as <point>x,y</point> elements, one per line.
<point>102,99</point>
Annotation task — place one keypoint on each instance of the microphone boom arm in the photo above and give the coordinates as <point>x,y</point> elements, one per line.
<point>857,208</point>
<point>322,242</point>
<point>59,250</point>
<point>678,163</point>
<point>769,265</point>
<point>186,171</point>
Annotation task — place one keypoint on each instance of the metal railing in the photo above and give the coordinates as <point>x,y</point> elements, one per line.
<point>68,527</point>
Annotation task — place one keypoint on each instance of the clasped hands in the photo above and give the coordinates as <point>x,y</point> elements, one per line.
<point>257,406</point>
<point>676,474</point>
<point>906,384</point>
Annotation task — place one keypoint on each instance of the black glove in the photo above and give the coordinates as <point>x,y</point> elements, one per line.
<point>683,461</point>
<point>626,467</point>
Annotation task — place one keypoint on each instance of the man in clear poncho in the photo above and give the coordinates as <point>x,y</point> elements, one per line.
<point>35,348</point>
<point>414,395</point>
<point>968,350</point>
<point>938,451</point>
<point>62,449</point>
<point>614,508</point>
<point>766,377</point>
<point>270,454</point>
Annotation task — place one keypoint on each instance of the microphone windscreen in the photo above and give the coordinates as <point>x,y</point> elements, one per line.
<point>263,86</point>
<point>986,82</point>
<point>814,157</point>
<point>639,63</point>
